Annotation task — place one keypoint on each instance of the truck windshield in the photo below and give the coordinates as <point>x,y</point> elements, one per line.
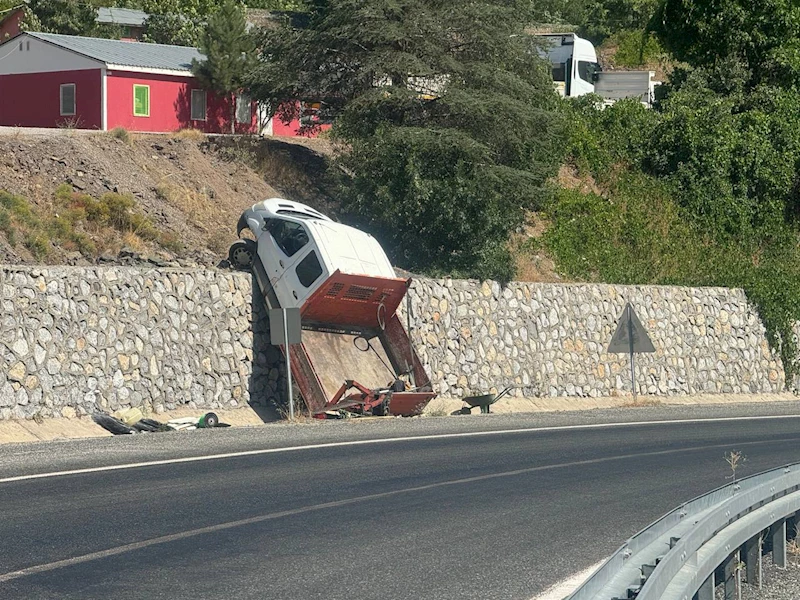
<point>559,72</point>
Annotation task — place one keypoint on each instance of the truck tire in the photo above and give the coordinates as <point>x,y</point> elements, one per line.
<point>241,254</point>
<point>208,421</point>
<point>382,410</point>
<point>111,424</point>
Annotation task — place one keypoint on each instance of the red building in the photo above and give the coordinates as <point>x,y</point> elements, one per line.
<point>49,80</point>
<point>11,22</point>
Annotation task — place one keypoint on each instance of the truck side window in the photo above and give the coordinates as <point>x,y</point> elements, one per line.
<point>309,269</point>
<point>290,237</point>
<point>587,70</point>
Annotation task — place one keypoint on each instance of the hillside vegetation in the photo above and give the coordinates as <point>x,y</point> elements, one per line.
<point>79,197</point>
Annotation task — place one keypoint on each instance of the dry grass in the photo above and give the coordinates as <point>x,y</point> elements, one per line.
<point>569,179</point>
<point>532,262</point>
<point>285,174</point>
<point>792,546</point>
<point>220,242</point>
<point>121,134</point>
<point>194,203</point>
<point>133,241</point>
<point>735,459</point>
<point>194,135</point>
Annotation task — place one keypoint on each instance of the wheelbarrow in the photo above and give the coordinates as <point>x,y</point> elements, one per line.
<point>484,401</point>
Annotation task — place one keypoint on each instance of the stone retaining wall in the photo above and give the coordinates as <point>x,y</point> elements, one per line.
<point>551,340</point>
<point>77,339</point>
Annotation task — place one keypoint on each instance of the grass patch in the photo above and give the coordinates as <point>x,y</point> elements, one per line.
<point>120,133</point>
<point>79,222</point>
<point>194,135</point>
<point>194,203</point>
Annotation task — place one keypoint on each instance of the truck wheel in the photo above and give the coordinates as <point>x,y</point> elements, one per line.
<point>209,420</point>
<point>242,254</point>
<point>382,410</point>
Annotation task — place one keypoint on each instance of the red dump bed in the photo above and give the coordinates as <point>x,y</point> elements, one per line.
<point>356,301</point>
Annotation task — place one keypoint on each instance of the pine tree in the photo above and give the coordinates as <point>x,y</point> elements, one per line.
<point>229,54</point>
<point>447,116</point>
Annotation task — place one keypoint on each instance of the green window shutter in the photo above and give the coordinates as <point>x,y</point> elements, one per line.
<point>141,101</point>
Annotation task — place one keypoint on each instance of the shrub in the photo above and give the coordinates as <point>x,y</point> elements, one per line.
<point>120,133</point>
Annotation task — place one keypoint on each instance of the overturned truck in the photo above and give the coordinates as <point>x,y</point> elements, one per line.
<point>348,295</point>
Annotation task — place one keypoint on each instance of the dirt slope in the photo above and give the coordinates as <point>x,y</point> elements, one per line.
<point>190,187</point>
<point>171,199</point>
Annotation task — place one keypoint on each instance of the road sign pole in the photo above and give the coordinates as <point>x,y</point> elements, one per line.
<point>630,341</point>
<point>288,365</point>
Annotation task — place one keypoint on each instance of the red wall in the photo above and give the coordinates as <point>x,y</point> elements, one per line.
<point>34,100</point>
<point>293,128</point>
<point>170,105</point>
<point>11,25</point>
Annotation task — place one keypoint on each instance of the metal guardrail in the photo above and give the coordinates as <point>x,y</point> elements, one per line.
<point>676,557</point>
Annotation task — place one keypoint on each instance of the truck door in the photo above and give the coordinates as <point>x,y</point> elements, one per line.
<point>286,242</point>
<point>297,266</point>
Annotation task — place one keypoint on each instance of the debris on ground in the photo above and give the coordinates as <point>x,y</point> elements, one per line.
<point>132,420</point>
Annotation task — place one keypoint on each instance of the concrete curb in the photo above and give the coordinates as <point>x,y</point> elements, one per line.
<point>446,406</point>
<point>84,427</point>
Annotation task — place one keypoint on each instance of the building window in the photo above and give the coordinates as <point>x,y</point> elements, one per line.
<point>68,100</point>
<point>198,105</point>
<point>244,109</point>
<point>141,100</point>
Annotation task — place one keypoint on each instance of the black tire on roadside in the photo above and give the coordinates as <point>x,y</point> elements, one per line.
<point>111,424</point>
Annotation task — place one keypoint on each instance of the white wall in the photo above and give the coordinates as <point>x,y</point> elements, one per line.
<point>37,56</point>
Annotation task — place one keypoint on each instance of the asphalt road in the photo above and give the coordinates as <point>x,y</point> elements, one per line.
<point>493,516</point>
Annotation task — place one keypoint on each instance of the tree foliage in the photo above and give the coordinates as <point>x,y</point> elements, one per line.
<point>596,19</point>
<point>178,22</point>
<point>764,36</point>
<point>446,121</point>
<point>229,51</point>
<point>69,17</point>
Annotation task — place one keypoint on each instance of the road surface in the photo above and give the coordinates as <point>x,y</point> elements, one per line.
<point>502,515</point>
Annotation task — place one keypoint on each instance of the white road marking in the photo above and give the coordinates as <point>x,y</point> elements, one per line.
<point>339,503</point>
<point>564,588</point>
<point>439,436</point>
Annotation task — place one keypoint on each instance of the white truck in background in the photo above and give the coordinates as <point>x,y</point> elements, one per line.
<point>576,72</point>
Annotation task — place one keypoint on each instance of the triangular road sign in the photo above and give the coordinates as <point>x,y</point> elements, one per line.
<point>630,325</point>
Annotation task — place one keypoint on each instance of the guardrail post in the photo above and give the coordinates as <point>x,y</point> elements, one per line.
<point>752,560</point>
<point>706,591</point>
<point>779,544</point>
<point>729,576</point>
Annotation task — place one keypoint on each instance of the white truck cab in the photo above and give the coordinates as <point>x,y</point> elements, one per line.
<point>300,248</point>
<point>576,72</point>
<point>574,63</point>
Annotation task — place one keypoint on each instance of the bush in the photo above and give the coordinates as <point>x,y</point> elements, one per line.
<point>702,193</point>
<point>120,133</point>
<point>72,213</point>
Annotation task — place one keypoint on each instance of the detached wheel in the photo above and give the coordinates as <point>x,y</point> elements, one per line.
<point>209,421</point>
<point>242,254</point>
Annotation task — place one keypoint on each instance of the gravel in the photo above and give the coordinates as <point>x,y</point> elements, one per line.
<point>779,584</point>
